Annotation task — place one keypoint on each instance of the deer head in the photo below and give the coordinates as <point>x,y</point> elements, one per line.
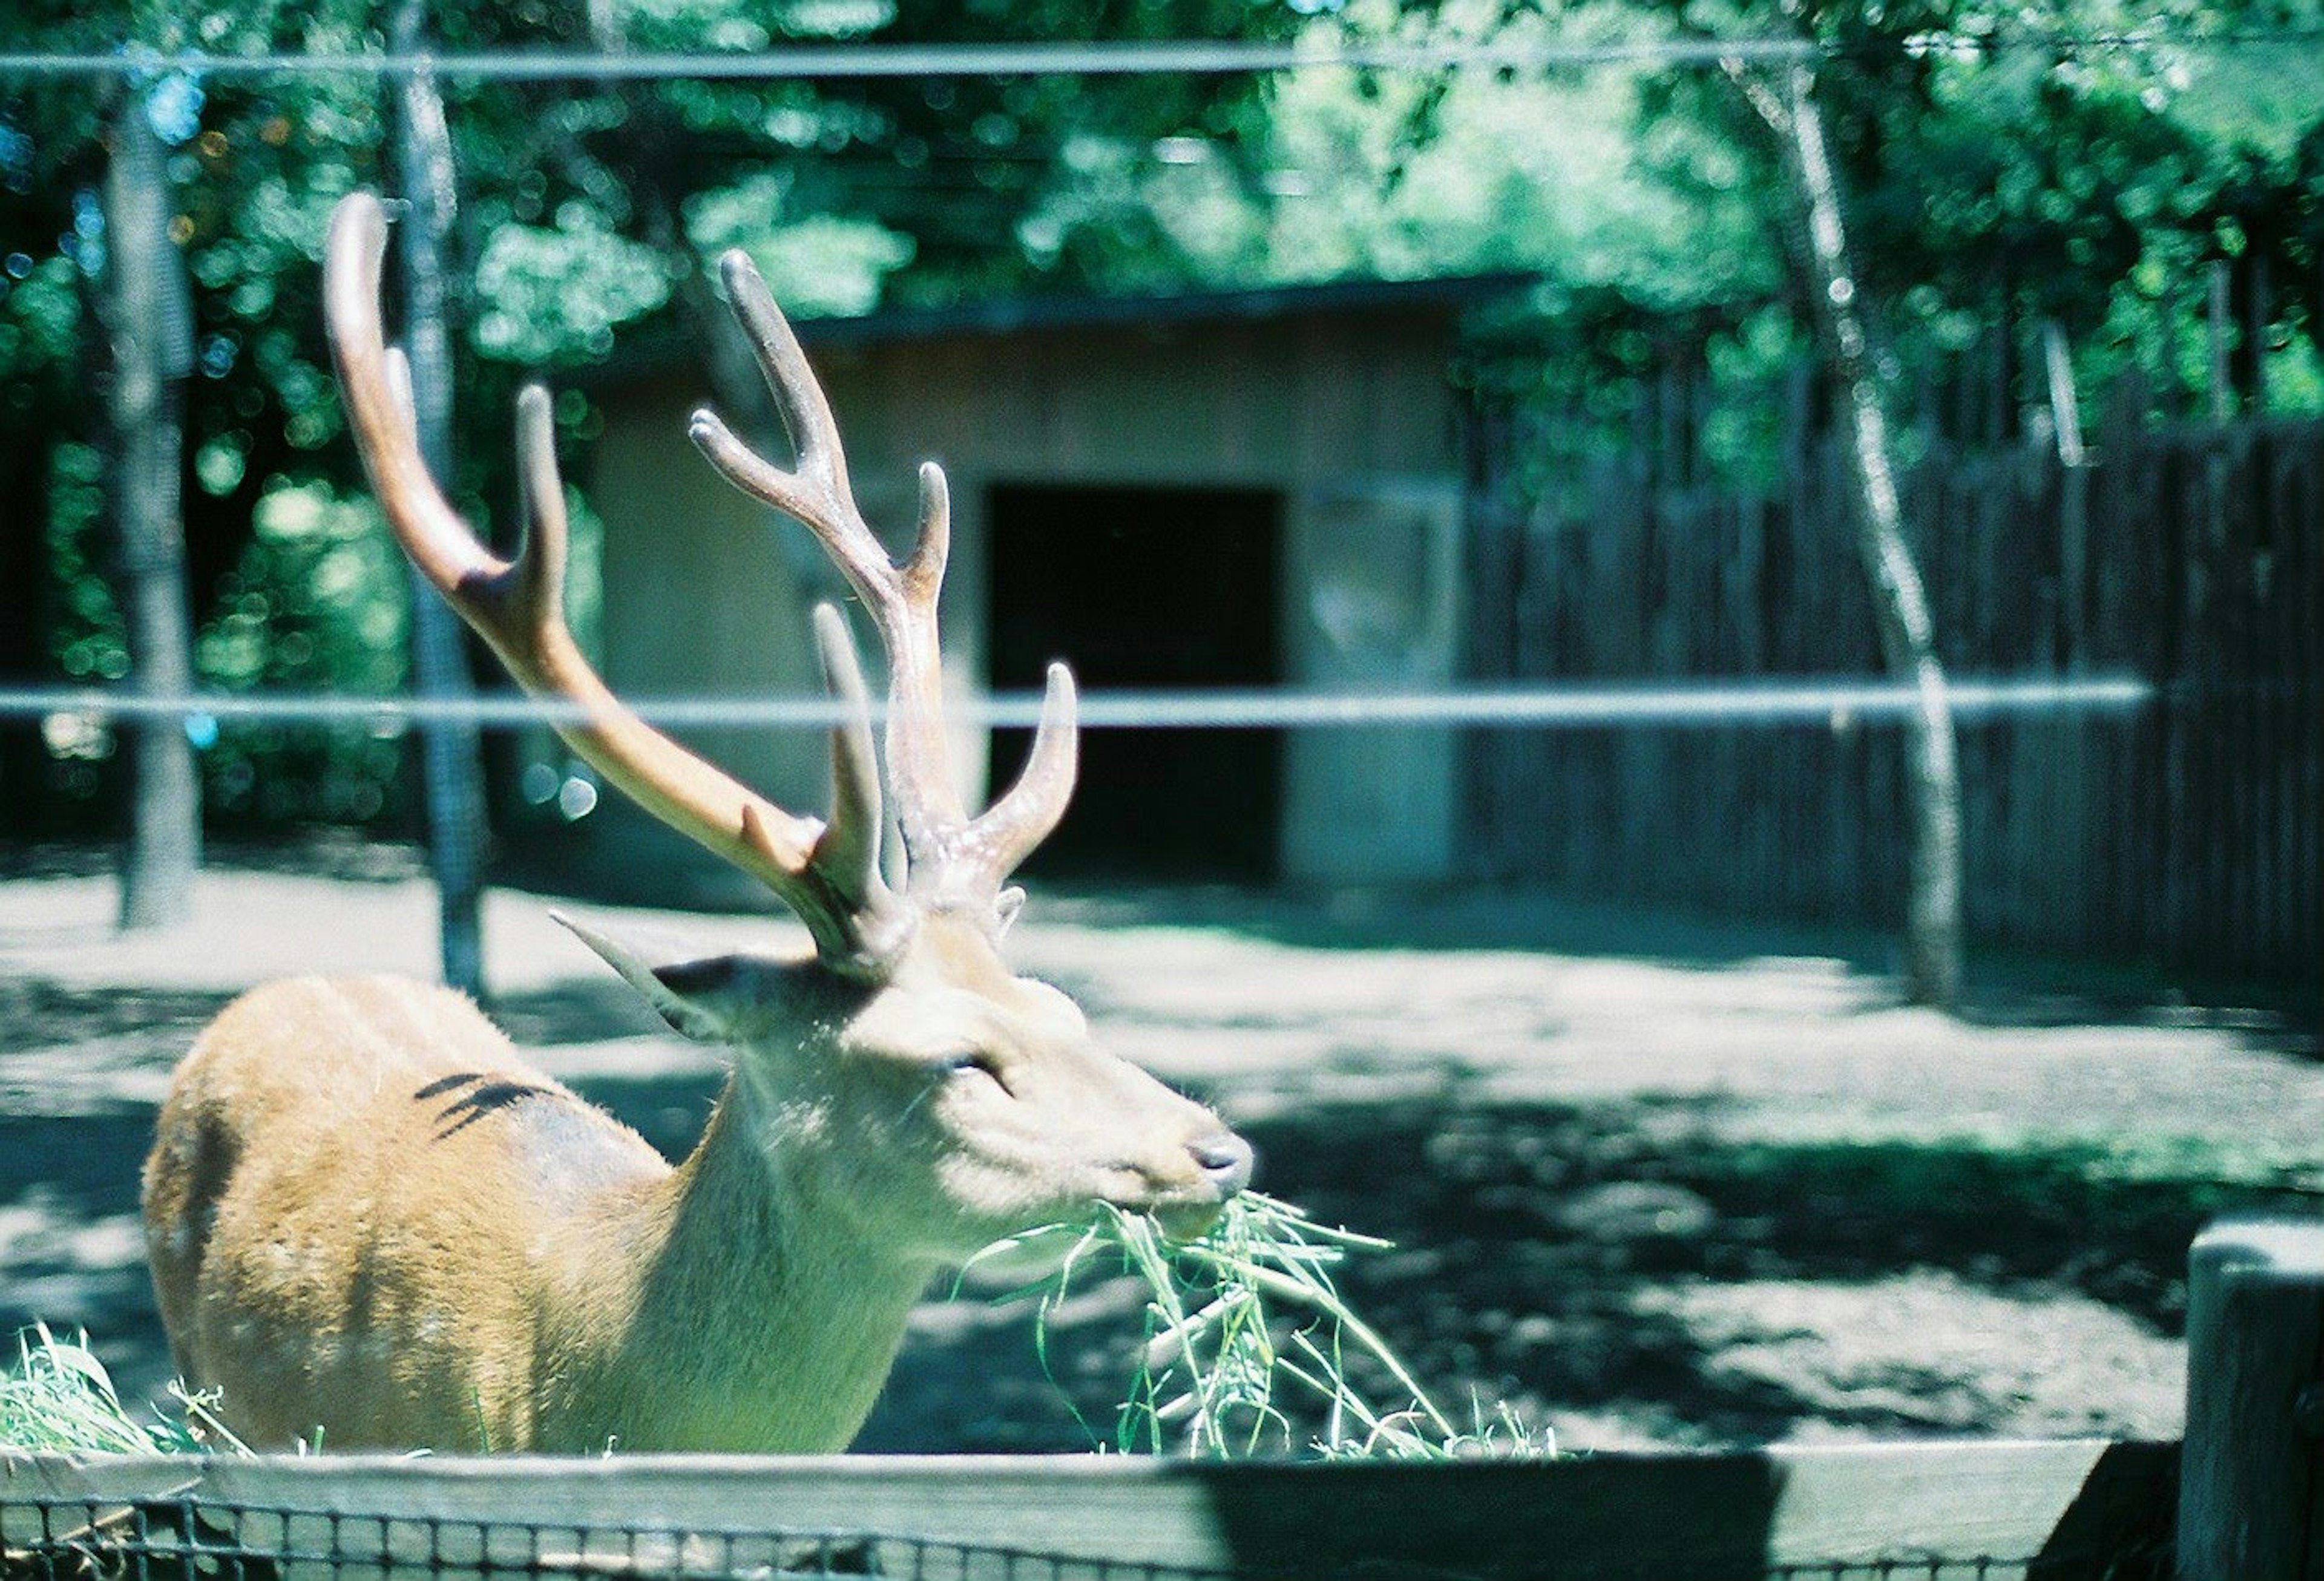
<point>944,1100</point>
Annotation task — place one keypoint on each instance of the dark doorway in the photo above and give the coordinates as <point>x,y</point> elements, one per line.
<point>1151,588</point>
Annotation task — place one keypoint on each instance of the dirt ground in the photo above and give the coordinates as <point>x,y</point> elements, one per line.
<point>1651,1180</point>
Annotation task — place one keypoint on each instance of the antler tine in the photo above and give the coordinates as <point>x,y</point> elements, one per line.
<point>432,533</point>
<point>1008,831</point>
<point>518,608</point>
<point>919,755</point>
<point>816,493</point>
<point>937,835</point>
<point>538,580</point>
<point>951,860</point>
<point>847,856</point>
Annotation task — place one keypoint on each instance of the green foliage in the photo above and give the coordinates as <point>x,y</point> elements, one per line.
<point>1334,171</point>
<point>39,316</point>
<point>817,265</point>
<point>315,603</point>
<point>557,294</point>
<point>1991,192</point>
<point>87,638</point>
<point>2090,190</point>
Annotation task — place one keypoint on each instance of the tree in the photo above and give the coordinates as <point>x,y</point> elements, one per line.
<point>148,322</point>
<point>1933,902</point>
<point>450,765</point>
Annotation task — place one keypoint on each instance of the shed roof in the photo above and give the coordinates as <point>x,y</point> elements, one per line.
<point>664,346</point>
<point>1009,316</point>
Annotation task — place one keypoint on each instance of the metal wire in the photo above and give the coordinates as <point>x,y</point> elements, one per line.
<point>1179,57</point>
<point>1822,700</point>
<point>190,1535</point>
<point>1190,59</point>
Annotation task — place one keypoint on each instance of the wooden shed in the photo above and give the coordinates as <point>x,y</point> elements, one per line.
<point>1227,490</point>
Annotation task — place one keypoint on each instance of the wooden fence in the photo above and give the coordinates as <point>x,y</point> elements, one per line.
<point>2242,1503</point>
<point>2184,834</point>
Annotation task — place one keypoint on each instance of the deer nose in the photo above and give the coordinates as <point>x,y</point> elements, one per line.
<point>1225,1160</point>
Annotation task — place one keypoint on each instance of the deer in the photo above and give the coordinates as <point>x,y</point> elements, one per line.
<point>373,1224</point>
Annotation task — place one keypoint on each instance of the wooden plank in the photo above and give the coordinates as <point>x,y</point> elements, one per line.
<point>2189,836</point>
<point>2046,1508</point>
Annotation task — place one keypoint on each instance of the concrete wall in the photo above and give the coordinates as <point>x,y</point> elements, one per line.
<point>1346,416</point>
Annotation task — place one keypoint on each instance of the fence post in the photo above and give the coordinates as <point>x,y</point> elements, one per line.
<point>451,771</point>
<point>2249,1493</point>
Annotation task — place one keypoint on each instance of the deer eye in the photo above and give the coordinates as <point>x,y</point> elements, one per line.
<point>977,1062</point>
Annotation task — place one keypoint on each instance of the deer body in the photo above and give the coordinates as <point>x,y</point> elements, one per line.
<point>368,1214</point>
<point>460,1254</point>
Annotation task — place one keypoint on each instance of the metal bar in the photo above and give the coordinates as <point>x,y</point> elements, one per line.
<point>1193,58</point>
<point>1830,700</point>
<point>452,769</point>
<point>1124,59</point>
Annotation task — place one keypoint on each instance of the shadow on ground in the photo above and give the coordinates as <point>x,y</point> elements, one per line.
<point>1573,1261</point>
<point>38,1012</point>
<point>2004,988</point>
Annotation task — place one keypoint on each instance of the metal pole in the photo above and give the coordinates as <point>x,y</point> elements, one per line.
<point>452,771</point>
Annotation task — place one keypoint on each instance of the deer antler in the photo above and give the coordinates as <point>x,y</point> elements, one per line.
<point>954,861</point>
<point>829,874</point>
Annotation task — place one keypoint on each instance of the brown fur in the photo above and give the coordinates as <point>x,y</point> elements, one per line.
<point>371,1221</point>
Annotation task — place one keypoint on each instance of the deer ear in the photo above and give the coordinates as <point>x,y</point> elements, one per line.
<point>695,997</point>
<point>1007,904</point>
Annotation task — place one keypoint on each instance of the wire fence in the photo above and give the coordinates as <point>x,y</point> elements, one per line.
<point>191,1533</point>
<point>189,1536</point>
<point>2060,1510</point>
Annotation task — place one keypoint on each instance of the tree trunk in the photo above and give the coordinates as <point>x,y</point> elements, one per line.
<point>451,764</point>
<point>149,326</point>
<point>1932,925</point>
<point>26,623</point>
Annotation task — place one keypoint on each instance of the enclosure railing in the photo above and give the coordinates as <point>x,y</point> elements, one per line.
<point>1935,1510</point>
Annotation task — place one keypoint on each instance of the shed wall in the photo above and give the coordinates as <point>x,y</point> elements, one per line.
<point>1349,419</point>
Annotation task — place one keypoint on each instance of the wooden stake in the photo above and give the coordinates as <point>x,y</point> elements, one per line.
<point>2251,1506</point>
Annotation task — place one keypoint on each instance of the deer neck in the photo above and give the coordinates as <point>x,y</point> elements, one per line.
<point>755,1314</point>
